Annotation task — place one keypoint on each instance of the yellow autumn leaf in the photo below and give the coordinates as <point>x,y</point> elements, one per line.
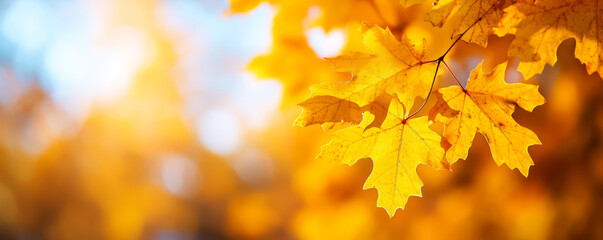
<point>291,59</point>
<point>390,67</point>
<point>540,26</point>
<point>396,150</point>
<point>328,111</point>
<point>462,14</point>
<point>486,107</point>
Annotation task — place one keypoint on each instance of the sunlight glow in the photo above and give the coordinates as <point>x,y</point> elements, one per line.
<point>26,24</point>
<point>326,44</point>
<point>257,100</point>
<point>220,131</point>
<point>81,71</point>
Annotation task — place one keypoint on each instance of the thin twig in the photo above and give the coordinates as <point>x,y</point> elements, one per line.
<point>429,93</point>
<point>456,79</point>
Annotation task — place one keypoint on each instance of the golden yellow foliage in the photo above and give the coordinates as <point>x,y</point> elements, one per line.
<point>462,14</point>
<point>406,69</point>
<point>486,107</point>
<point>396,150</point>
<point>291,60</point>
<point>390,67</point>
<point>540,26</point>
<point>328,111</point>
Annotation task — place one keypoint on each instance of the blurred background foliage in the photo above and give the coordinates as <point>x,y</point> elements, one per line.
<point>171,119</point>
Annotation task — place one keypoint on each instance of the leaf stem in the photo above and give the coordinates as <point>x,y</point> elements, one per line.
<point>428,93</point>
<point>456,79</point>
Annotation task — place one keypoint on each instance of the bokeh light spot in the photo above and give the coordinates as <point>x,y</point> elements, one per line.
<point>326,44</point>
<point>179,174</point>
<point>220,131</point>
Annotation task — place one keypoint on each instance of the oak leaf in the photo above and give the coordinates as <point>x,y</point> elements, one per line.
<point>486,107</point>
<point>540,26</point>
<point>462,14</point>
<point>396,150</point>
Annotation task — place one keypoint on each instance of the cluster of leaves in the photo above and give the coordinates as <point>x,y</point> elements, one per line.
<point>393,73</point>
<point>396,68</point>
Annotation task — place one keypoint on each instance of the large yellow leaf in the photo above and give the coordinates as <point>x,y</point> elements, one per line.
<point>390,67</point>
<point>396,150</point>
<point>462,14</point>
<point>540,26</point>
<point>486,107</point>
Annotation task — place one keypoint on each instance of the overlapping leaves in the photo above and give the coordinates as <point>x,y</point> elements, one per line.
<point>463,14</point>
<point>397,141</point>
<point>540,26</point>
<point>390,67</point>
<point>391,74</point>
